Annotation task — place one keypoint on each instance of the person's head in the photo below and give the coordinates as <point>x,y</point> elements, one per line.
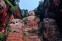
<point>17,22</point>
<point>31,13</point>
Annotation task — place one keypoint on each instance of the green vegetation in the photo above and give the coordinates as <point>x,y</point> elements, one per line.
<point>2,36</point>
<point>24,12</point>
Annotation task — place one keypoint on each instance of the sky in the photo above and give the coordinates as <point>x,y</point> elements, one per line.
<point>28,4</point>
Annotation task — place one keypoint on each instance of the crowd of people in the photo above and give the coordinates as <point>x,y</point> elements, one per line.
<point>47,29</point>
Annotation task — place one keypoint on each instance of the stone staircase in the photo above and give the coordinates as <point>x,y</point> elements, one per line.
<point>14,36</point>
<point>25,33</point>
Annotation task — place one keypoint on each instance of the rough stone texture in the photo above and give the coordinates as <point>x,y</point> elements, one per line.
<point>51,32</point>
<point>4,16</point>
<point>18,29</point>
<point>31,30</point>
<point>14,36</point>
<point>32,38</point>
<point>16,33</point>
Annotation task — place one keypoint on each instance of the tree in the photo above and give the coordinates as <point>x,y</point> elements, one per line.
<point>24,12</point>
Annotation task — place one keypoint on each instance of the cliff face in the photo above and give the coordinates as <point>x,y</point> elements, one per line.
<point>51,9</point>
<point>56,13</point>
<point>5,14</point>
<point>17,13</point>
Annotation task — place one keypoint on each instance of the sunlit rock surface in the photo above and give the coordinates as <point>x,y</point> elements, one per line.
<point>16,33</point>
<point>31,27</point>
